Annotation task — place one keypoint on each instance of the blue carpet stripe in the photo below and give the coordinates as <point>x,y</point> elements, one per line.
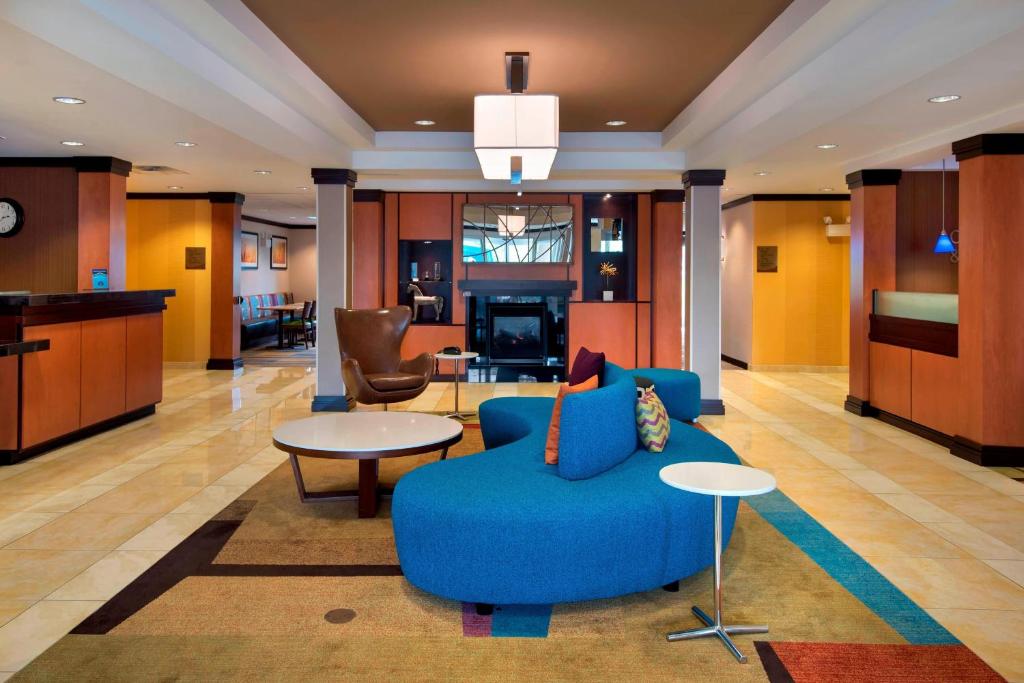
<point>851,570</point>
<point>521,621</point>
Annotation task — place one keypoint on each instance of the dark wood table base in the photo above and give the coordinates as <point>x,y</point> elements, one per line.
<point>368,494</point>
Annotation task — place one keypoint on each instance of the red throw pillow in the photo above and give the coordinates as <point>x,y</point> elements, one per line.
<point>551,447</point>
<point>587,364</point>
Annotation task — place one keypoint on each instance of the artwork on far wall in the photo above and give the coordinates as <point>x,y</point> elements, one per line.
<point>278,253</point>
<point>250,250</point>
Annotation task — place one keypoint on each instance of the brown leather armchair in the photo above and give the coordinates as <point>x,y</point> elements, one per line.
<point>370,341</point>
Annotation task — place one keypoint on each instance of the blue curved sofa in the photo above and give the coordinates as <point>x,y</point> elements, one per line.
<point>502,527</point>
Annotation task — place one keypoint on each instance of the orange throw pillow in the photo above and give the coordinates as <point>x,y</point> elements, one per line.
<point>551,448</point>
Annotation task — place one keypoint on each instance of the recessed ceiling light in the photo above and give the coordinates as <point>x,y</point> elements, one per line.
<point>261,171</point>
<point>939,99</point>
<point>608,196</point>
<point>292,218</point>
<point>174,187</point>
<point>825,189</point>
<point>63,99</point>
<point>2,138</point>
<point>185,143</point>
<point>762,172</point>
<point>519,193</point>
<point>827,145</point>
<point>312,218</point>
<point>726,189</point>
<point>424,122</point>
<point>302,188</point>
<point>615,122</point>
<point>72,143</point>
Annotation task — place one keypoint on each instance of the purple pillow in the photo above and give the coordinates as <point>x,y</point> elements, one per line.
<point>586,365</point>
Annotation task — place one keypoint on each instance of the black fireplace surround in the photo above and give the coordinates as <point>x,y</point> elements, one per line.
<point>517,333</point>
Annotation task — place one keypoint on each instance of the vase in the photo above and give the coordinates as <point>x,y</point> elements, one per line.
<point>608,295</point>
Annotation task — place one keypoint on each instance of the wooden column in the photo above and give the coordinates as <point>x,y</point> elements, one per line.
<point>101,223</point>
<point>991,283</point>
<point>225,280</point>
<point>872,266</point>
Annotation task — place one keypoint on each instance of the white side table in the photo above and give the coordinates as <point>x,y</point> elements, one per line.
<point>456,357</point>
<point>717,479</point>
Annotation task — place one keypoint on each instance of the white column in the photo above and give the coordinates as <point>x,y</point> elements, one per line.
<point>703,314</point>
<point>333,273</point>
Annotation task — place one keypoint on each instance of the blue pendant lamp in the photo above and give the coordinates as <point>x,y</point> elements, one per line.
<point>944,245</point>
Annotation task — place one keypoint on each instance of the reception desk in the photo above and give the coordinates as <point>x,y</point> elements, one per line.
<point>75,364</point>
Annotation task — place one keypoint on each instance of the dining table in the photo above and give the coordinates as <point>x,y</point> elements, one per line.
<point>281,309</point>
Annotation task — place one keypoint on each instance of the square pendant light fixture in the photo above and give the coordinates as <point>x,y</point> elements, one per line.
<point>515,135</point>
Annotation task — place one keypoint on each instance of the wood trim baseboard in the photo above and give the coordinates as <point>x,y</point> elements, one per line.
<point>742,364</point>
<point>986,455</point>
<point>224,363</point>
<point>712,406</point>
<point>11,457</point>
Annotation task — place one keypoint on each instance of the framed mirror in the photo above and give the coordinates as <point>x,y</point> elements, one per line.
<point>606,235</point>
<point>517,233</point>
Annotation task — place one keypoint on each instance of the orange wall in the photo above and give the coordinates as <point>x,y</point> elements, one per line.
<point>158,230</point>
<point>801,313</point>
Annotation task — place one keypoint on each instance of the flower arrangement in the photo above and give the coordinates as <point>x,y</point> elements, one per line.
<point>608,271</point>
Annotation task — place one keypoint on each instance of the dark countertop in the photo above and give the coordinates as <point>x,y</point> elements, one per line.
<point>18,348</point>
<point>87,297</point>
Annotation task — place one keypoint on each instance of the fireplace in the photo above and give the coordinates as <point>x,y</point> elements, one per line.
<point>516,333</point>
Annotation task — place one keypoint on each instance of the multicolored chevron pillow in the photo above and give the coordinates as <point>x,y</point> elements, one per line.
<point>652,421</point>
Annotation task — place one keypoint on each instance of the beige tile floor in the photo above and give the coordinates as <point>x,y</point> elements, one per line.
<point>78,524</point>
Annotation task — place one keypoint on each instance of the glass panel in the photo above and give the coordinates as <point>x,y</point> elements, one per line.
<point>940,308</point>
<point>606,235</point>
<point>517,233</point>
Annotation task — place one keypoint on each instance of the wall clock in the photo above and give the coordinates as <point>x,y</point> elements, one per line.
<point>12,217</point>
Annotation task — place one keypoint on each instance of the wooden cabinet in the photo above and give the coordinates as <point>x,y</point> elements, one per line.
<point>103,369</point>
<point>607,327</point>
<point>889,386</point>
<point>935,391</point>
<point>51,384</point>
<point>144,360</point>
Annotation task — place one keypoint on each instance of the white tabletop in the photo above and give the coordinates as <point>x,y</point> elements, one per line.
<point>717,479</point>
<point>465,355</point>
<point>366,432</point>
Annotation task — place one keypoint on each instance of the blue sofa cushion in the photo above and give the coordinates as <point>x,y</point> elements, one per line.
<point>679,390</point>
<point>598,427</point>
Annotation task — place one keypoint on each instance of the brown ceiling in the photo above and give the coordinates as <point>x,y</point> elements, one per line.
<point>395,61</point>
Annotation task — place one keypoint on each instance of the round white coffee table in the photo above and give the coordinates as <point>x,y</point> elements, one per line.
<point>366,437</point>
<point>456,357</point>
<point>717,479</point>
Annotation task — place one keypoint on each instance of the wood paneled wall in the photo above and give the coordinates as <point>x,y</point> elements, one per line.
<point>667,284</point>
<point>607,327</point>
<point>918,220</point>
<point>368,246</point>
<point>101,228</point>
<point>43,257</point>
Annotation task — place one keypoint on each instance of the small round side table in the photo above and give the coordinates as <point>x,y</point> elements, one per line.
<point>717,479</point>
<point>456,357</point>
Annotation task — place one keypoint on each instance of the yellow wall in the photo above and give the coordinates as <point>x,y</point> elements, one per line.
<point>801,313</point>
<point>158,230</point>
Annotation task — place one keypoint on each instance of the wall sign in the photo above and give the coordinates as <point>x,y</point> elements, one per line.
<point>768,259</point>
<point>195,258</point>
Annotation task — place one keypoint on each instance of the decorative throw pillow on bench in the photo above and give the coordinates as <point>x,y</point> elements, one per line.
<point>652,421</point>
<point>586,365</point>
<point>551,448</point>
